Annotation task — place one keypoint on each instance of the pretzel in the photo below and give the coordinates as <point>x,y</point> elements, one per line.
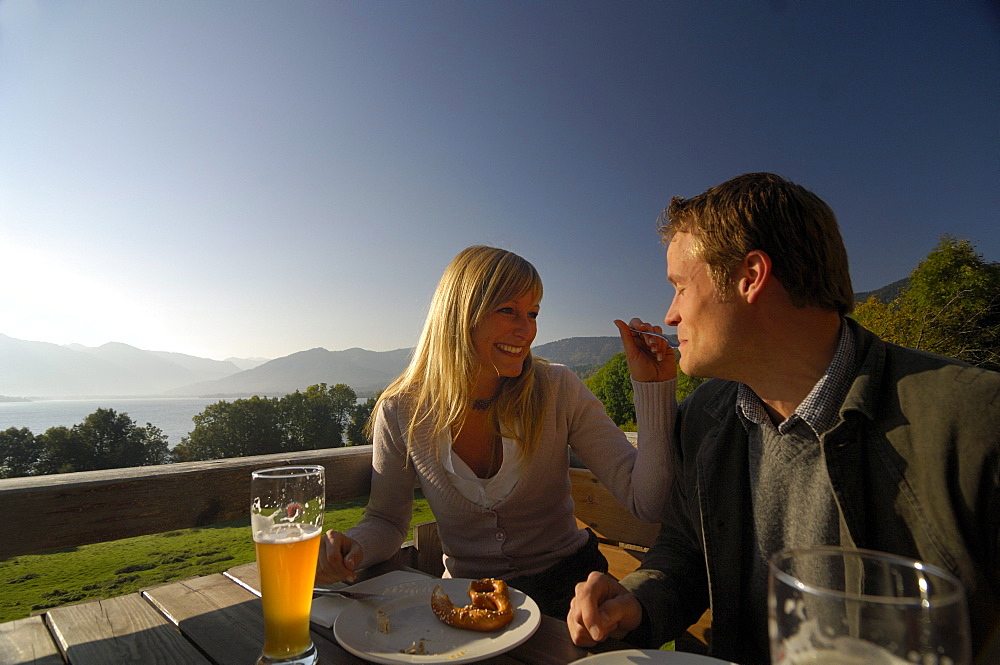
<point>490,608</point>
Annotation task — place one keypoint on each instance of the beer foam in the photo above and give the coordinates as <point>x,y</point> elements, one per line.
<point>264,531</point>
<point>811,647</point>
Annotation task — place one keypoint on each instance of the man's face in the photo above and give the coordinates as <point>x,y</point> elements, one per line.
<point>706,328</point>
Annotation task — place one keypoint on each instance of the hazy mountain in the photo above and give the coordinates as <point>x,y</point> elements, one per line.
<point>41,369</point>
<point>576,351</point>
<point>159,370</point>
<point>367,371</point>
<point>360,369</point>
<point>886,294</point>
<point>247,363</point>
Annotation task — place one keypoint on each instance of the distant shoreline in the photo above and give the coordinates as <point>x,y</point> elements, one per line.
<point>173,416</point>
<point>91,398</point>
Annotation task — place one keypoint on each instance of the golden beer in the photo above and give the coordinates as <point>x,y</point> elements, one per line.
<point>286,520</point>
<point>287,564</point>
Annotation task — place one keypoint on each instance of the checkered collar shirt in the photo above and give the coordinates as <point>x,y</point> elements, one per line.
<point>820,409</point>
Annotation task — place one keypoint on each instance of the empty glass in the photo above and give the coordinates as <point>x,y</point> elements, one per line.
<point>836,606</point>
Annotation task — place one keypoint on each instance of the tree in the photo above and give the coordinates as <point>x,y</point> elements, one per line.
<point>240,428</point>
<point>357,430</point>
<point>114,441</point>
<point>60,454</point>
<point>316,418</point>
<point>20,451</point>
<point>686,384</point>
<point>612,384</point>
<point>951,307</point>
<point>104,440</point>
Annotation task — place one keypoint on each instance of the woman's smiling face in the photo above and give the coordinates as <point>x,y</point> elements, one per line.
<point>502,339</point>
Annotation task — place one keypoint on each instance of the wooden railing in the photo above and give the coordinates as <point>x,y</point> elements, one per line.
<point>44,513</point>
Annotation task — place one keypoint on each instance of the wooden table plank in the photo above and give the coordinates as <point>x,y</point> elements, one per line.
<point>550,645</point>
<point>27,642</point>
<point>225,620</point>
<point>119,630</point>
<point>247,576</point>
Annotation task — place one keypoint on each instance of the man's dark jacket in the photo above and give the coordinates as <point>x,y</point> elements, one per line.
<point>914,462</point>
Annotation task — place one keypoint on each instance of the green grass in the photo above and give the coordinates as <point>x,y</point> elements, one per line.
<point>40,581</point>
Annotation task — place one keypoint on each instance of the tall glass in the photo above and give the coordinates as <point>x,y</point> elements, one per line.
<point>286,516</point>
<point>836,606</point>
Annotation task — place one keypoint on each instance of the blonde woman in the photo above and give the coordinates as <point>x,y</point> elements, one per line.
<point>484,426</point>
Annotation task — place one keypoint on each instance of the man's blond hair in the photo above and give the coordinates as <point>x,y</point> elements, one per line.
<point>763,211</point>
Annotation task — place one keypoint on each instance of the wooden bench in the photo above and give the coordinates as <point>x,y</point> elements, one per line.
<point>624,539</point>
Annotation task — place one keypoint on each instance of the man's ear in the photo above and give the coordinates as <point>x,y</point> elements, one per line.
<point>755,275</point>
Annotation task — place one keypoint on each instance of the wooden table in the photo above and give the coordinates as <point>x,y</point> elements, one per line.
<point>210,620</point>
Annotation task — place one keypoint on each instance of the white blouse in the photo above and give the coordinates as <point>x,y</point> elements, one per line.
<point>485,492</point>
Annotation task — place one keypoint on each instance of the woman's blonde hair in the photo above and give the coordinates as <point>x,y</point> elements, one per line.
<point>437,385</point>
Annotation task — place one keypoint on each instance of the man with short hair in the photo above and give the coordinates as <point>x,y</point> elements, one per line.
<point>813,431</point>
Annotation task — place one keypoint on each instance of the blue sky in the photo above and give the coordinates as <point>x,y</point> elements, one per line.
<point>249,178</point>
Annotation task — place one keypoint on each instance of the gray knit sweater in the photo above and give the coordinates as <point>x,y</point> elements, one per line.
<point>533,527</point>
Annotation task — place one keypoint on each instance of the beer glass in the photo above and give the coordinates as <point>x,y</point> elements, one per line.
<point>837,606</point>
<point>286,516</point>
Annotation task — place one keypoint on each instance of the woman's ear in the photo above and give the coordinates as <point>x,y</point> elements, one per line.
<point>755,275</point>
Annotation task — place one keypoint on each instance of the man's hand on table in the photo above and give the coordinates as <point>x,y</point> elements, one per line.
<point>602,608</point>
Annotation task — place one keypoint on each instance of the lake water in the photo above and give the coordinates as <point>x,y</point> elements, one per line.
<point>171,414</point>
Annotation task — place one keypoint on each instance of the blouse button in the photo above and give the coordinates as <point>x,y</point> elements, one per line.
<point>500,536</point>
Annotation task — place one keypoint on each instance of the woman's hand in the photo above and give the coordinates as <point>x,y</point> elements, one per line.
<point>338,556</point>
<point>649,358</point>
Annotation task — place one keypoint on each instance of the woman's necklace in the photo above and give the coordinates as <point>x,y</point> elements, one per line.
<point>483,404</point>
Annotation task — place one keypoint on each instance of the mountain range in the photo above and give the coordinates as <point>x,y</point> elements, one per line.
<point>44,370</point>
<point>886,294</point>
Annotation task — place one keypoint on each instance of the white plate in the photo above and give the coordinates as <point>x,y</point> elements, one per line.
<point>408,607</point>
<point>649,657</point>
